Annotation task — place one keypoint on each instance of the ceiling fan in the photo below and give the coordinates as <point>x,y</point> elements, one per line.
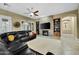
<point>31,12</point>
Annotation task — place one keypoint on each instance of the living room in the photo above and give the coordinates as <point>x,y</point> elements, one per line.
<point>55,25</point>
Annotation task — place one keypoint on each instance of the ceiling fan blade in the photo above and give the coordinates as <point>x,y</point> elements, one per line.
<point>35,14</point>
<point>36,11</point>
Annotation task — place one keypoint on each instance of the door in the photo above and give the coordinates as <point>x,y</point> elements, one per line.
<point>37,27</point>
<point>69,27</point>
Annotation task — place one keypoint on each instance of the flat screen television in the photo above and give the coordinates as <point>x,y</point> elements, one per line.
<point>45,25</point>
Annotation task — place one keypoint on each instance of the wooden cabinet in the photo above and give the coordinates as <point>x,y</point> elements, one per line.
<point>56,23</point>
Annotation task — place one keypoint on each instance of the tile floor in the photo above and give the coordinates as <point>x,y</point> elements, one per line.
<point>44,44</point>
<point>63,46</point>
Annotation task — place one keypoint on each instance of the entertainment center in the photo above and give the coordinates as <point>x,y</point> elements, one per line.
<point>49,27</point>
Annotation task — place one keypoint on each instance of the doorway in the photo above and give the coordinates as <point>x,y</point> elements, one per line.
<point>37,27</point>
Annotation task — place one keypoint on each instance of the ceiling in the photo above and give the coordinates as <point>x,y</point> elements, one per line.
<point>45,9</point>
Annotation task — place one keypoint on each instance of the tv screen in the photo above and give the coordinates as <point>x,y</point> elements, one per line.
<point>45,26</point>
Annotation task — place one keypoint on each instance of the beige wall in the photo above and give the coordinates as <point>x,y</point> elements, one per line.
<point>62,15</point>
<point>78,24</point>
<point>67,14</point>
<point>16,17</point>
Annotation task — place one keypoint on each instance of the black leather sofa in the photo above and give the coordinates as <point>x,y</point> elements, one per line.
<point>19,45</point>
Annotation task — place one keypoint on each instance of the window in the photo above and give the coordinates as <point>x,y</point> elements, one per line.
<point>5,24</point>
